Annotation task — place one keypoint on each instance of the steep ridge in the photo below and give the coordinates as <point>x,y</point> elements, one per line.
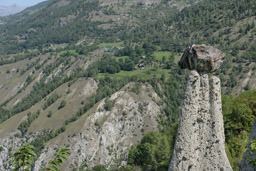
<point>73,95</point>
<point>101,136</point>
<point>107,132</point>
<point>23,79</point>
<point>52,117</point>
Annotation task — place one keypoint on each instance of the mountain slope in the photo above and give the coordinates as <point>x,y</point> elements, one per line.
<point>105,133</point>
<point>105,130</point>
<point>93,20</point>
<point>56,51</point>
<point>228,25</point>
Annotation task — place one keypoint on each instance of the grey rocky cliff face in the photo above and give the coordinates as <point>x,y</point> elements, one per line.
<point>7,144</point>
<point>101,136</point>
<point>200,142</point>
<point>105,137</point>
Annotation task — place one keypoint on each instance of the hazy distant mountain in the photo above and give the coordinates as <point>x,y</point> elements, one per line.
<point>8,10</point>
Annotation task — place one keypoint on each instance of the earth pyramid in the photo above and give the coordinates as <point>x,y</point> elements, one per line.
<point>200,141</point>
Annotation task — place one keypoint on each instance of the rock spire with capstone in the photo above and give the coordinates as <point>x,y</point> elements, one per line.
<point>200,140</point>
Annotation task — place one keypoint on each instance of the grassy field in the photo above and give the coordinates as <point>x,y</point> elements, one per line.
<point>121,57</point>
<point>160,54</point>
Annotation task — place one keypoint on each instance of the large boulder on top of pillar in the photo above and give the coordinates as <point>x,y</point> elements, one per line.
<point>202,58</point>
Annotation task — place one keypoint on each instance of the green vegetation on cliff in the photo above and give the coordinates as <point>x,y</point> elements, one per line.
<point>239,116</point>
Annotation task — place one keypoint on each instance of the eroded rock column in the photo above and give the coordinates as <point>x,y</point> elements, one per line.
<point>200,142</point>
<point>184,156</point>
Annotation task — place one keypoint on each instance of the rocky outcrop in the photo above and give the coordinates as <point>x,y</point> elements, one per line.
<point>104,135</point>
<point>202,58</point>
<point>9,144</point>
<point>6,147</point>
<point>244,165</point>
<point>107,133</point>
<point>200,142</point>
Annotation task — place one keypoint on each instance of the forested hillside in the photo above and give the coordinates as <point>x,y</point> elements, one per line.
<point>239,116</point>
<point>70,69</point>
<point>228,25</point>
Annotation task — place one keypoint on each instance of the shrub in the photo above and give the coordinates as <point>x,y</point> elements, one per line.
<point>109,104</point>
<point>62,104</point>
